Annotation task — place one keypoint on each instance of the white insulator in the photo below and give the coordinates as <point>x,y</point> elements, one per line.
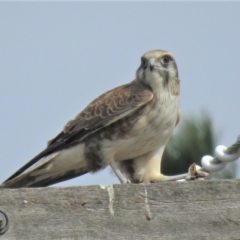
<point>198,167</point>
<point>224,157</point>
<point>212,167</point>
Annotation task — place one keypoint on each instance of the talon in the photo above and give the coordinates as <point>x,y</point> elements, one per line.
<point>193,173</point>
<point>126,181</point>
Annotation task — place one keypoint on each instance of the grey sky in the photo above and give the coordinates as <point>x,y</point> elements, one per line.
<point>57,57</point>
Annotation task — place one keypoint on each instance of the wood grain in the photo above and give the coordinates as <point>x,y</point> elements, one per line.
<point>168,210</point>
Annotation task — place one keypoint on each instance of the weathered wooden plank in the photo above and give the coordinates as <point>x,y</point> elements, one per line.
<point>168,210</point>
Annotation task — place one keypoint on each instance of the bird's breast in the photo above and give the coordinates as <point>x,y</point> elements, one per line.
<point>143,131</point>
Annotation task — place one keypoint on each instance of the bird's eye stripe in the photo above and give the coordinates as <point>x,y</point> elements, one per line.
<point>144,61</point>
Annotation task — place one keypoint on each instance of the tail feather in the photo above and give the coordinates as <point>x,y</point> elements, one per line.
<point>29,164</point>
<point>52,147</point>
<point>28,180</point>
<point>54,168</point>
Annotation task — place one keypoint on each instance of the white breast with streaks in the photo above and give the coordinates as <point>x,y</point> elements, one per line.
<point>150,132</point>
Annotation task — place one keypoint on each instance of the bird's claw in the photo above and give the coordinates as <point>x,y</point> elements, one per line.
<point>125,181</point>
<point>194,173</point>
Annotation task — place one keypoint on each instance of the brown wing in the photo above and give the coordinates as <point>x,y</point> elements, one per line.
<point>104,110</point>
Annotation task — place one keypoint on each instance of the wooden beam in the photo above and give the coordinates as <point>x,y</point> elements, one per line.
<point>167,210</point>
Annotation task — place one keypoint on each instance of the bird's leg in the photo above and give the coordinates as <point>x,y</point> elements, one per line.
<point>193,173</point>
<point>196,173</point>
<point>119,174</point>
<point>147,169</point>
<point>175,177</point>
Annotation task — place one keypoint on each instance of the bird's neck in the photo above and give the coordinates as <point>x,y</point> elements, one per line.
<point>170,87</point>
<point>162,84</point>
<point>173,87</point>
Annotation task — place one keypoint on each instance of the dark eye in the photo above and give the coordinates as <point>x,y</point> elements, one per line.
<point>144,62</point>
<point>166,59</point>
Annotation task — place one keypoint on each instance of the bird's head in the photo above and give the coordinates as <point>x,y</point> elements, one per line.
<point>158,69</point>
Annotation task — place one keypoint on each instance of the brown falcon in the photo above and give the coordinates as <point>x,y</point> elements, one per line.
<point>127,128</point>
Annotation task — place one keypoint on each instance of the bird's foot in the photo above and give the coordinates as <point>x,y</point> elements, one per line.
<point>119,174</point>
<point>125,181</point>
<point>195,172</point>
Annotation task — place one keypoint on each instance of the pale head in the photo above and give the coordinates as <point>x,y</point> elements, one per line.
<point>158,69</point>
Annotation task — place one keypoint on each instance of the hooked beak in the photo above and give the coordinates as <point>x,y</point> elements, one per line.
<point>151,64</point>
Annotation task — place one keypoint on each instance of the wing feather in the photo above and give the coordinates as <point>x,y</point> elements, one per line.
<point>106,109</point>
